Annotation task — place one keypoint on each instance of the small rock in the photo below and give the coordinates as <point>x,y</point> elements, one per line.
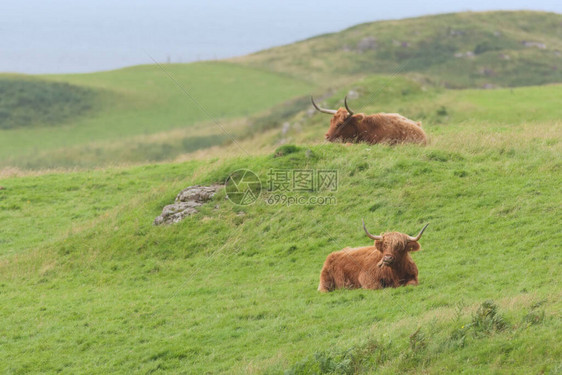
<point>367,43</point>
<point>453,32</point>
<point>487,72</point>
<point>197,193</point>
<point>352,94</point>
<point>539,45</point>
<point>285,128</point>
<point>186,203</point>
<point>467,54</point>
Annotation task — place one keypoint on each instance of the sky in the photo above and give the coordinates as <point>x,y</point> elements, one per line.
<point>64,36</point>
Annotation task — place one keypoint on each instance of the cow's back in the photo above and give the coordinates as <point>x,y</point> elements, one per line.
<point>393,128</point>
<point>343,268</point>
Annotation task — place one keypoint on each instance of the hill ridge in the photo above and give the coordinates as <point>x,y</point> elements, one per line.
<point>429,44</point>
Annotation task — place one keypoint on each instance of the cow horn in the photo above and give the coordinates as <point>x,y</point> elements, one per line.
<point>346,106</point>
<point>323,110</point>
<point>369,234</point>
<point>413,239</point>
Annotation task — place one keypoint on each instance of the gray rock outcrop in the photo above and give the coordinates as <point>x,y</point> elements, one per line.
<point>186,203</point>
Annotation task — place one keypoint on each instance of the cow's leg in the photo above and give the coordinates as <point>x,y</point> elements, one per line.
<point>326,279</point>
<point>367,281</point>
<point>325,285</point>
<point>412,282</point>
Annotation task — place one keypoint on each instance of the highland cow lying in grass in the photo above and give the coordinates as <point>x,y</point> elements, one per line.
<point>386,264</point>
<point>391,128</point>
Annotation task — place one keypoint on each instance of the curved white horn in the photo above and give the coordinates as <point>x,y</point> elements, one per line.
<point>371,236</point>
<point>413,239</point>
<point>323,110</point>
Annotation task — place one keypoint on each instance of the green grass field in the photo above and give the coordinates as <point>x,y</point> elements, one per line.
<point>89,285</point>
<point>140,113</point>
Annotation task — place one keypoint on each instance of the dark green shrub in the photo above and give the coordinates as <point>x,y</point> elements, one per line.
<point>26,102</point>
<point>487,320</point>
<point>286,150</point>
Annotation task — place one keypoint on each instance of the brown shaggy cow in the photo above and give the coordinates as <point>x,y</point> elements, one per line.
<point>389,128</point>
<point>386,264</point>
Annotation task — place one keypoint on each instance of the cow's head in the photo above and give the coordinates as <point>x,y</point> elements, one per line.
<point>394,245</point>
<point>343,125</point>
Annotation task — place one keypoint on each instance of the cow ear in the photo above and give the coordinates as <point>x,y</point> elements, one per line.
<point>358,117</point>
<point>412,246</point>
<point>378,245</point>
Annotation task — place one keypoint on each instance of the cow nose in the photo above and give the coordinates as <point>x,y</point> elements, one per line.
<point>388,259</point>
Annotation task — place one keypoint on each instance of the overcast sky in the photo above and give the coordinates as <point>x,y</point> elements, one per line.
<point>62,36</point>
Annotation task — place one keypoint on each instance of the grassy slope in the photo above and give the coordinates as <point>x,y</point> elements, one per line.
<point>234,289</point>
<point>443,112</point>
<point>143,100</point>
<point>32,102</point>
<point>87,284</point>
<point>140,115</point>
<point>427,45</point>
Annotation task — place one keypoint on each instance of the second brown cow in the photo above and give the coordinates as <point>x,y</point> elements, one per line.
<point>391,128</point>
<point>386,264</point>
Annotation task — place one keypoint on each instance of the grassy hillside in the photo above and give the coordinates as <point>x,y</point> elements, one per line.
<point>140,114</point>
<point>89,284</point>
<point>442,112</point>
<point>455,50</point>
<point>31,102</point>
<point>133,104</point>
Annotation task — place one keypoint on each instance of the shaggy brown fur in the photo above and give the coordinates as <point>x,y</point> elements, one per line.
<point>389,128</point>
<point>386,264</point>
